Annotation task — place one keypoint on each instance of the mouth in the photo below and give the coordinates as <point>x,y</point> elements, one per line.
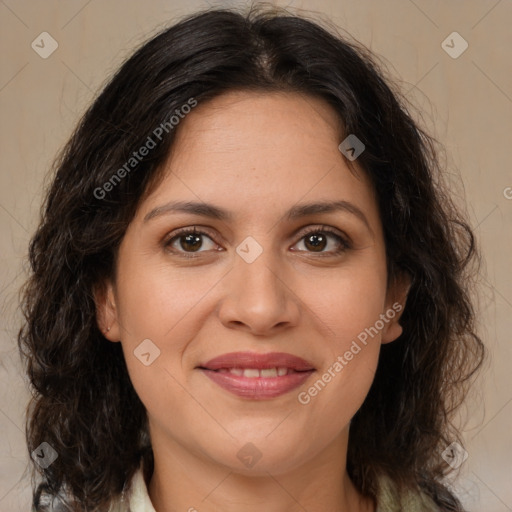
<point>257,376</point>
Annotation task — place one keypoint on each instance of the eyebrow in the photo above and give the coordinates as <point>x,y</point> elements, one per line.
<point>296,212</point>
<point>193,207</point>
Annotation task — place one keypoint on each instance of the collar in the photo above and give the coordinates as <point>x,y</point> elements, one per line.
<point>137,498</point>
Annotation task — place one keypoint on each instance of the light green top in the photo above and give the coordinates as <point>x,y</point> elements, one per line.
<point>388,499</point>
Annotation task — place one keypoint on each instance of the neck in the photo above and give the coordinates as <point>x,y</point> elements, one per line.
<point>189,482</point>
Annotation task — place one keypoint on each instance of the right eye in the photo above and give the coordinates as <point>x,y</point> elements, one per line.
<point>189,240</point>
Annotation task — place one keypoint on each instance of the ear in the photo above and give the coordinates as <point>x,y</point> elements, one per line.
<point>106,312</point>
<point>396,298</point>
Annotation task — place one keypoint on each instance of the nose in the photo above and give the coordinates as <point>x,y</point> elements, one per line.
<point>257,299</point>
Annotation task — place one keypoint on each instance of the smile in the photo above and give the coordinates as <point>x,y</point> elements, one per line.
<point>257,376</point>
<point>253,373</point>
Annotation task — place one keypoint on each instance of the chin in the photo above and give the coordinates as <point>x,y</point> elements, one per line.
<point>258,456</point>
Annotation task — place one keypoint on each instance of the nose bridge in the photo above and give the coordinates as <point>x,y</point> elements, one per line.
<point>257,270</point>
<point>258,296</point>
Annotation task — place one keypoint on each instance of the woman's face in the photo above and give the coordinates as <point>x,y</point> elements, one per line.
<point>287,263</point>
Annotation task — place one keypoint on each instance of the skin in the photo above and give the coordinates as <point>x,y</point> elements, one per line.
<point>255,155</point>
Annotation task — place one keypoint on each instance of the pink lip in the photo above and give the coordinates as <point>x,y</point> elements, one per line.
<point>259,361</point>
<point>258,388</point>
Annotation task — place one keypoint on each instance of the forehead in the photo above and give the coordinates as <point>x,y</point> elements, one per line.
<point>244,149</point>
<point>260,122</point>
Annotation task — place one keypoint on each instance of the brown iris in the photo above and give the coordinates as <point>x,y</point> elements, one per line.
<point>191,242</point>
<point>315,242</point>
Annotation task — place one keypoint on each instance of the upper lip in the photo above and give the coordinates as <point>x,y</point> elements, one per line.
<point>258,361</point>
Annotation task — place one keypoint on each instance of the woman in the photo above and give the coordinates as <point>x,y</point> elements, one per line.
<point>249,288</point>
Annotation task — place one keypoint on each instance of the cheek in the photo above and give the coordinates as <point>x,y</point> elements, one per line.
<point>347,310</point>
<point>351,352</point>
<point>157,302</point>
<point>348,303</point>
<point>166,306</point>
<point>332,400</point>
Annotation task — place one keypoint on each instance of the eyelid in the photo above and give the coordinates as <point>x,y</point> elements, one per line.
<point>188,230</point>
<point>321,228</point>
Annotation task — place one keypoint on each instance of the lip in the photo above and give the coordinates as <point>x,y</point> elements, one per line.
<point>257,388</point>
<point>258,361</point>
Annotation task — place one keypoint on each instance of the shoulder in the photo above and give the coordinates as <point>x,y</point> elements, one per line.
<point>135,498</point>
<point>390,500</point>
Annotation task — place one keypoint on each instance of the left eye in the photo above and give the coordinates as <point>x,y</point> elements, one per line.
<point>322,241</point>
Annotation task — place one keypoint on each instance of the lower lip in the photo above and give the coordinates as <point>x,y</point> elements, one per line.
<point>258,388</point>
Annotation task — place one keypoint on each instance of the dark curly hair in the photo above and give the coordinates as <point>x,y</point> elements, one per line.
<point>84,404</point>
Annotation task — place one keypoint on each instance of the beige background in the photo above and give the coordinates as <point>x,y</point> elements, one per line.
<point>467,104</point>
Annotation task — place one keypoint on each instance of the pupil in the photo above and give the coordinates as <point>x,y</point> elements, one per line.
<point>316,241</point>
<point>191,242</point>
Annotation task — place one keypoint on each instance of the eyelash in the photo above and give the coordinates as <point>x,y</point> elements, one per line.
<point>344,243</point>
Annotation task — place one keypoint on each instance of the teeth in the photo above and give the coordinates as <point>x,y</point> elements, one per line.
<point>269,372</point>
<point>250,372</point>
<point>254,372</point>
